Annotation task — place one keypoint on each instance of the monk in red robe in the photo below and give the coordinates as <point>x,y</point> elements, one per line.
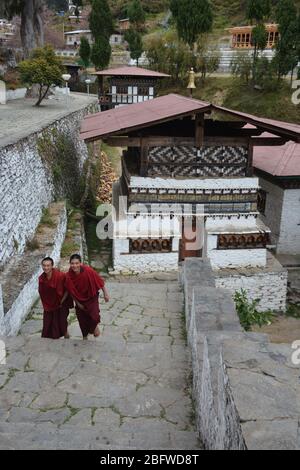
<point>55,300</point>
<point>83,284</point>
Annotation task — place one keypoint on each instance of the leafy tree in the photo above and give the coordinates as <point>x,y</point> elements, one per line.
<point>207,60</point>
<point>134,39</point>
<point>101,52</point>
<point>30,11</point>
<point>43,68</point>
<point>286,55</point>
<point>168,54</point>
<point>100,19</point>
<point>241,66</point>
<point>85,51</point>
<point>136,14</point>
<point>192,19</point>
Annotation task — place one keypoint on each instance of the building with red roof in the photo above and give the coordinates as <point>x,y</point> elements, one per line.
<point>278,169</point>
<point>188,189</point>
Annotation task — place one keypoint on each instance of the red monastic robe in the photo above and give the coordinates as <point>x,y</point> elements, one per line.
<point>55,323</point>
<point>84,287</point>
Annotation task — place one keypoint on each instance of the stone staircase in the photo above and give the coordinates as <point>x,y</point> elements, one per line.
<point>128,389</point>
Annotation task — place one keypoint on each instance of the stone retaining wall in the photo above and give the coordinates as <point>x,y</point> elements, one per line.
<point>268,284</point>
<point>27,183</point>
<point>245,389</point>
<point>14,307</point>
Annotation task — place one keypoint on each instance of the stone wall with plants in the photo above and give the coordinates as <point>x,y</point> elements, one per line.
<point>43,167</point>
<point>245,388</point>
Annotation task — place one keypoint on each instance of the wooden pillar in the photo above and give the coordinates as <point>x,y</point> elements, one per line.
<point>144,158</point>
<point>199,130</point>
<point>250,159</point>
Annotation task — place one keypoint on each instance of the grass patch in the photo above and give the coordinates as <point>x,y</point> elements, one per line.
<point>32,245</point>
<point>69,247</point>
<point>46,218</point>
<point>293,311</point>
<point>232,93</point>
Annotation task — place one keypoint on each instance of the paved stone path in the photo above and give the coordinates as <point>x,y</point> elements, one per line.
<point>20,118</point>
<point>128,389</point>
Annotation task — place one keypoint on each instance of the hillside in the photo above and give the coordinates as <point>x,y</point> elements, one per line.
<point>231,93</point>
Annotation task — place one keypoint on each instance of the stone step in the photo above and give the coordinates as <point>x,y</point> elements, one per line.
<point>128,389</point>
<point>47,436</point>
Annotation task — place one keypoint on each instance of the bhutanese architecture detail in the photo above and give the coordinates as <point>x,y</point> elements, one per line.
<point>187,185</point>
<point>127,85</point>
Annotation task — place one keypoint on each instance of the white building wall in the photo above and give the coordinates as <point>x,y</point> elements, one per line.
<point>289,238</point>
<point>234,258</point>
<point>282,215</point>
<point>145,262</point>
<point>273,211</point>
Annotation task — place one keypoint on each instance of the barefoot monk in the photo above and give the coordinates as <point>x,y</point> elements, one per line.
<point>83,284</point>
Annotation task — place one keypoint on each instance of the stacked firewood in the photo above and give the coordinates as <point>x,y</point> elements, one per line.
<point>107,177</point>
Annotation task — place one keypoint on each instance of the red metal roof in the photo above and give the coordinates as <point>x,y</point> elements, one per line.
<point>124,118</point>
<point>265,123</point>
<point>166,108</point>
<point>131,71</point>
<point>278,161</point>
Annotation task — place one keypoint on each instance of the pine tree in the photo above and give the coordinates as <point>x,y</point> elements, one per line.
<point>100,19</point>
<point>101,52</point>
<point>85,51</point>
<point>193,18</point>
<point>286,55</point>
<point>134,39</point>
<point>136,14</point>
<point>101,26</point>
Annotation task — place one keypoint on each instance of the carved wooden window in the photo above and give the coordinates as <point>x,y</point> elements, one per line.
<point>243,241</point>
<point>149,245</point>
<point>122,90</point>
<point>143,91</point>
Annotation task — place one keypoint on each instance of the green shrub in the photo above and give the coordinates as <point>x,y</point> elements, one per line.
<point>32,245</point>
<point>248,313</point>
<point>46,218</point>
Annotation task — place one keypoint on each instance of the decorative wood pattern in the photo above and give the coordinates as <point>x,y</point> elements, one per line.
<point>149,245</point>
<point>212,161</point>
<point>243,241</point>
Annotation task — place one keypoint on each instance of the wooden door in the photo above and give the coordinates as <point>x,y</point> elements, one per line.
<point>187,250</point>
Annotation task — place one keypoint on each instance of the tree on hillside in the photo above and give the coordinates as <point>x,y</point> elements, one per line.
<point>286,53</point>
<point>258,12</point>
<point>101,52</point>
<point>43,68</point>
<point>134,39</point>
<point>136,14</point>
<point>168,54</point>
<point>192,18</point>
<point>101,26</point>
<point>85,51</point>
<point>100,19</point>
<point>30,11</point>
